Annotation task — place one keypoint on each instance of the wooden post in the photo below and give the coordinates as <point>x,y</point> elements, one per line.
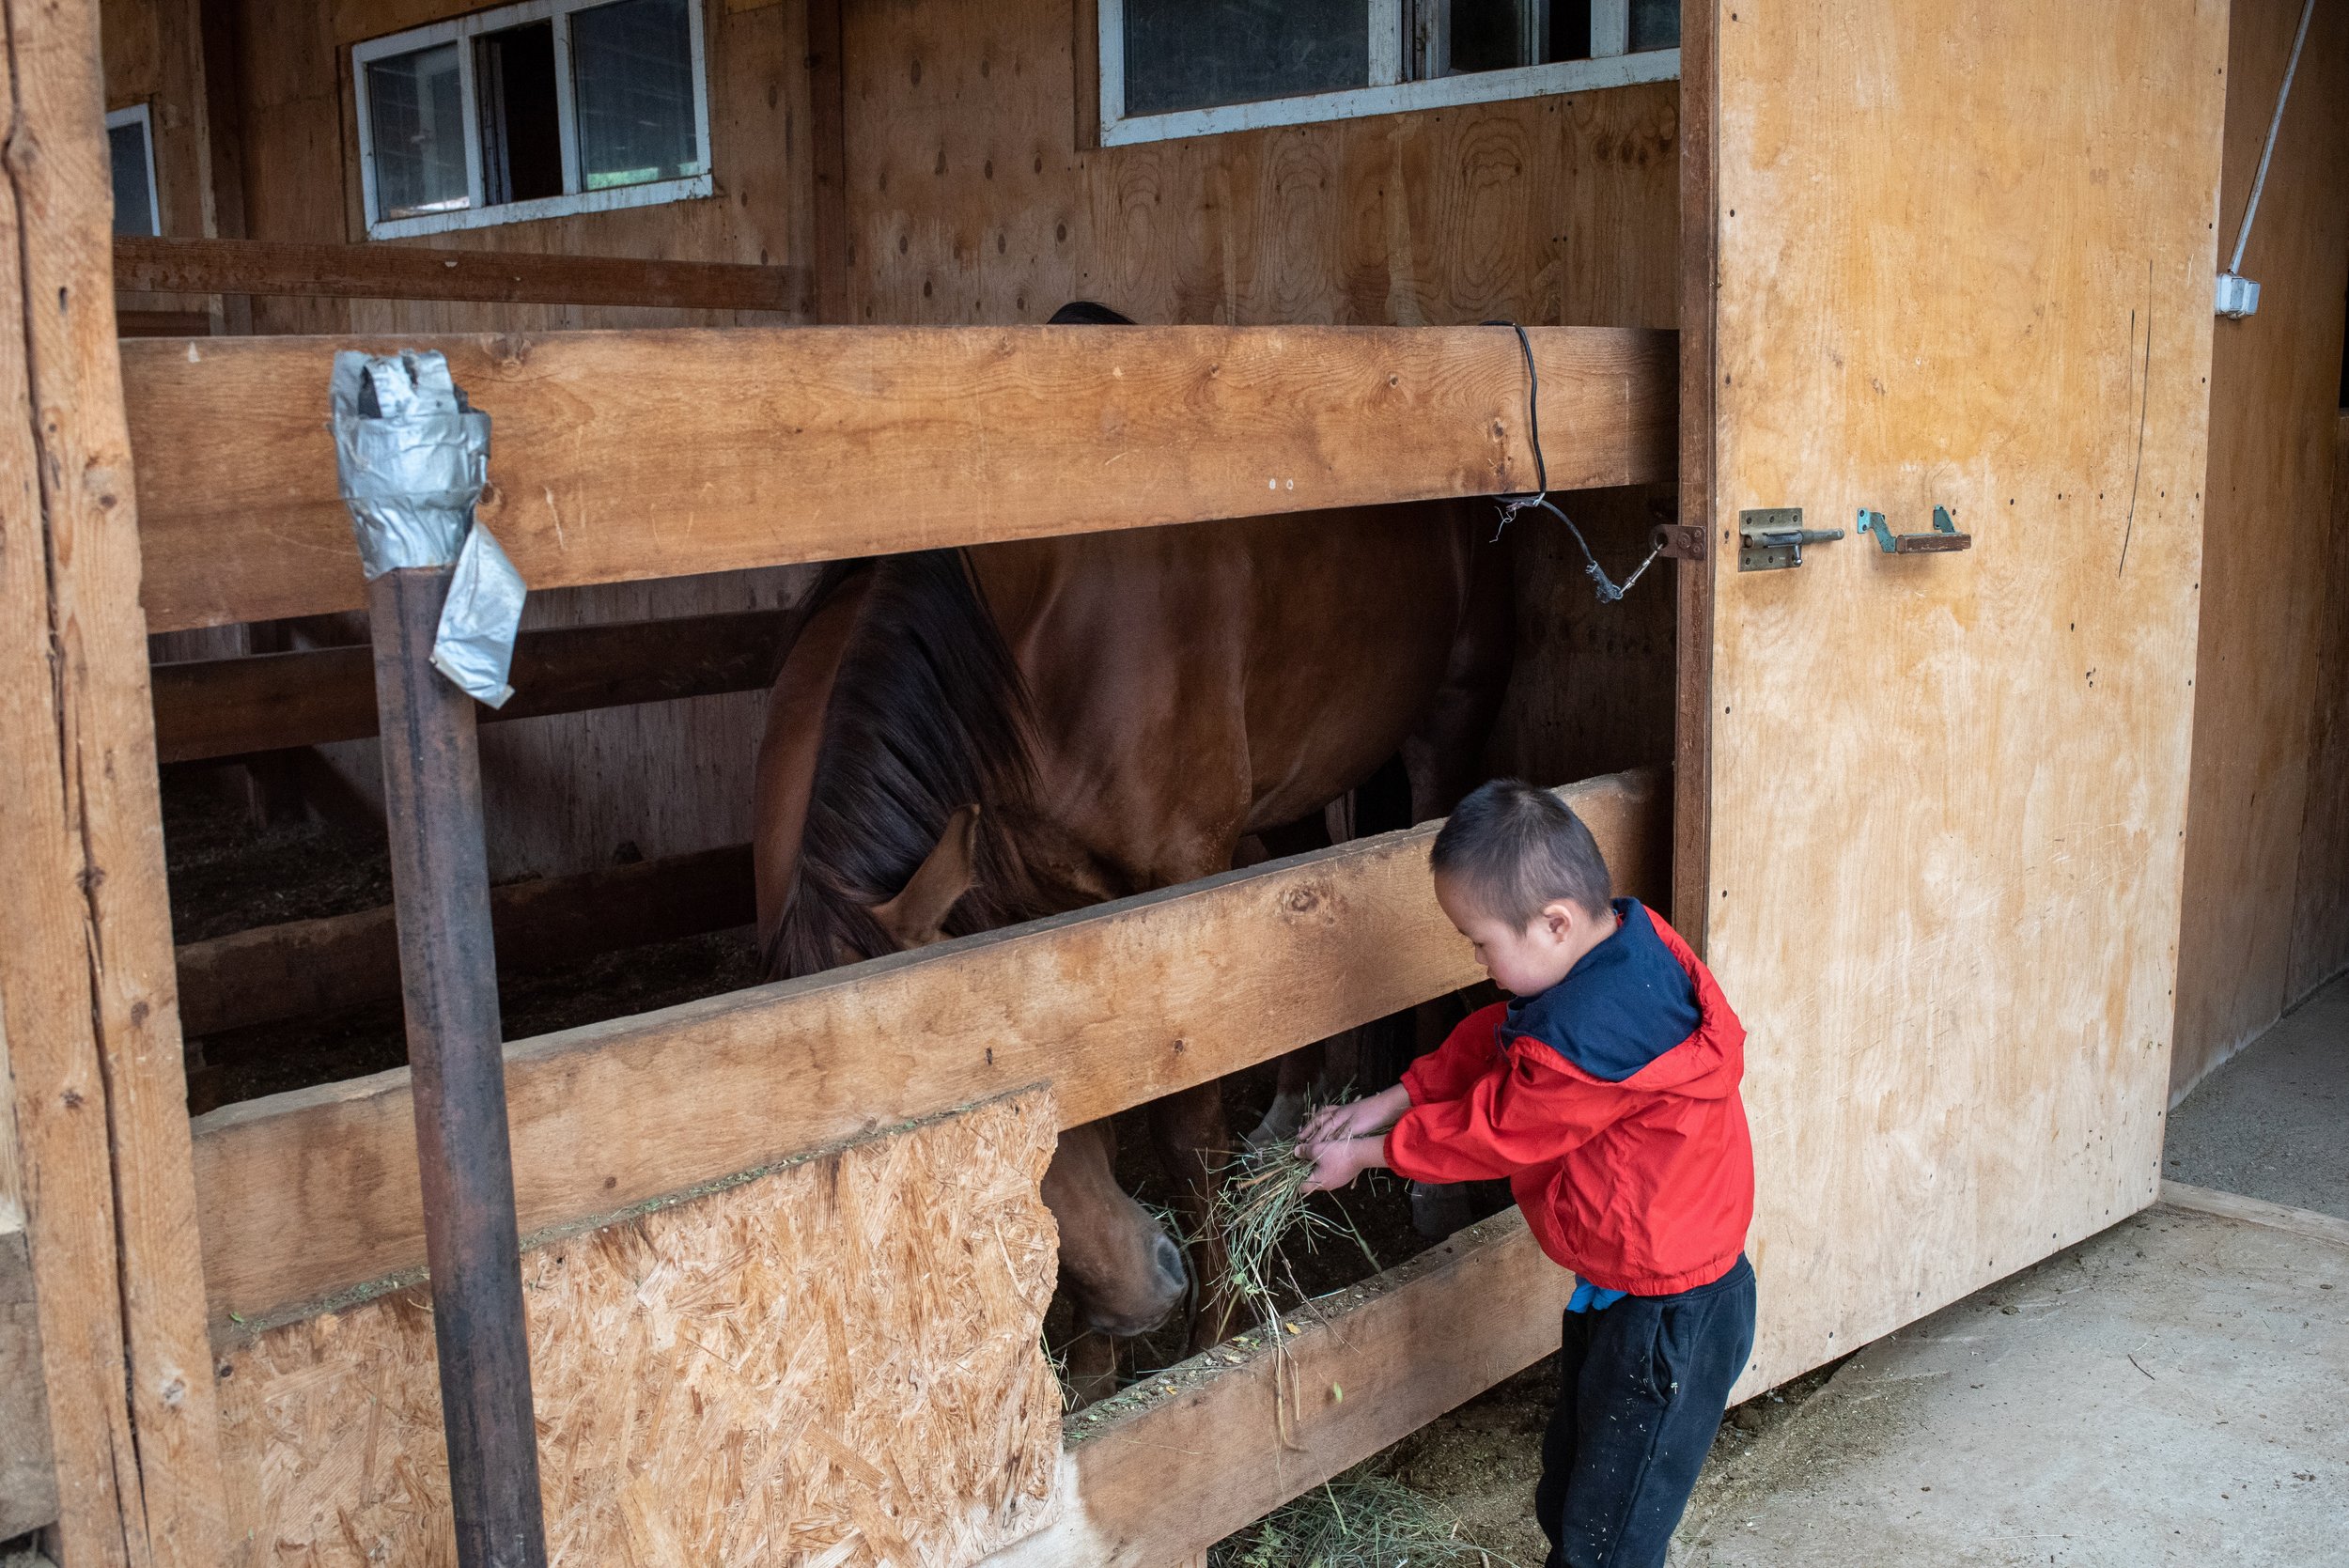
<point>440,885</point>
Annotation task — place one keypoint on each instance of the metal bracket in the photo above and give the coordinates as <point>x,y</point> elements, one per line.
<point>1773,538</point>
<point>1944,536</point>
<point>1680,541</point>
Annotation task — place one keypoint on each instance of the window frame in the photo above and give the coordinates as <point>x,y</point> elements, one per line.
<point>461,30</point>
<point>1389,92</point>
<point>142,116</point>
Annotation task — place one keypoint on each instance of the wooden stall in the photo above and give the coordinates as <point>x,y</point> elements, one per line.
<point>1925,811</point>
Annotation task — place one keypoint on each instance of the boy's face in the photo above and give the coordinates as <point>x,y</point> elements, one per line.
<point>1524,962</point>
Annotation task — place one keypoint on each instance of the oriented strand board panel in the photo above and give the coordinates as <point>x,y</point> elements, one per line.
<point>834,1362</point>
<point>2274,385</point>
<point>1964,258</point>
<point>2320,926</point>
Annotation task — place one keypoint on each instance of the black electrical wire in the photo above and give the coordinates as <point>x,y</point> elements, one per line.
<point>1511,505</point>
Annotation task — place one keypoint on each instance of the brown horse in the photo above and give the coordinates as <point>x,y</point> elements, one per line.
<point>959,739</point>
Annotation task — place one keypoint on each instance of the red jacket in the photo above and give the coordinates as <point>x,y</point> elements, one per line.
<point>1640,1183</point>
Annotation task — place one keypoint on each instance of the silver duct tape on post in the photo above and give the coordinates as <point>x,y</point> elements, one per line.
<point>413,457</point>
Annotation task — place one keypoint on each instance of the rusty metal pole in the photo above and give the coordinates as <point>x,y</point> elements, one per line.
<point>448,975</point>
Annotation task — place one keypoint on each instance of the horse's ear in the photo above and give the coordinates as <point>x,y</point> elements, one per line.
<point>916,915</point>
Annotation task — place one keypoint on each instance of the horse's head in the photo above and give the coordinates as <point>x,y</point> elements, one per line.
<point>894,756</point>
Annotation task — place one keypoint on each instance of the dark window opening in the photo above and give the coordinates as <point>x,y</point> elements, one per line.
<point>522,136</point>
<point>134,212</point>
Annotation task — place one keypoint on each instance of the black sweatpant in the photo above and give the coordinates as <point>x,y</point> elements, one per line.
<point>1641,1386</point>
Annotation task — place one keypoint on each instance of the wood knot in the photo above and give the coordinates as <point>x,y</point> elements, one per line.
<point>1303,900</point>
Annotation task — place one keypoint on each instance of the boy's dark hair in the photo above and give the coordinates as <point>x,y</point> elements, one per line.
<point>1517,848</point>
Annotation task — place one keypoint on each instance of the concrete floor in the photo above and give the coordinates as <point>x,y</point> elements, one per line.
<point>2269,1122</point>
<point>2172,1391</point>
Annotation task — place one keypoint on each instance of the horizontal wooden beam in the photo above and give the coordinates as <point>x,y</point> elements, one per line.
<point>1166,1470</point>
<point>627,455</point>
<point>384,271</point>
<point>218,708</point>
<point>310,1193</point>
<point>305,967</point>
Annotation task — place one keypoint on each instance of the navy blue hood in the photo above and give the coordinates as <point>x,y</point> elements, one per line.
<point>1624,1003</point>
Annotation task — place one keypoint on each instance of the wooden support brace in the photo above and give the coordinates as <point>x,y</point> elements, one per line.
<point>208,709</point>
<point>383,271</point>
<point>621,456</point>
<point>448,971</point>
<point>307,967</point>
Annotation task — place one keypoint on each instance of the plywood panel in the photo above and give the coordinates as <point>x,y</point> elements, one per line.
<point>2320,927</point>
<point>837,1361</point>
<point>2274,391</point>
<point>1964,258</point>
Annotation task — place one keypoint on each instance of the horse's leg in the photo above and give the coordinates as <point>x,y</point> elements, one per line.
<point>1193,1143</point>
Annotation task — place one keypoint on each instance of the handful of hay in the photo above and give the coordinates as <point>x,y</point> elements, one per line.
<point>1356,1521</point>
<point>1261,1207</point>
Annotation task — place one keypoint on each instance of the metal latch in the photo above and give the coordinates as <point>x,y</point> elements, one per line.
<point>1944,536</point>
<point>1774,536</point>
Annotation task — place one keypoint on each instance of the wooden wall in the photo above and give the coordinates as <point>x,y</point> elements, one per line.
<point>973,195</point>
<point>298,154</point>
<point>2320,927</point>
<point>2274,393</point>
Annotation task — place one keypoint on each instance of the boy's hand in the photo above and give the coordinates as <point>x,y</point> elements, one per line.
<point>1335,1123</point>
<point>1339,1162</point>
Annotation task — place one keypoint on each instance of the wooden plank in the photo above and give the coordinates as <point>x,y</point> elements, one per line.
<point>28,1471</point>
<point>827,137</point>
<point>85,983</point>
<point>632,455</point>
<point>2257,1211</point>
<point>2275,382</point>
<point>1159,1473</point>
<point>313,1192</point>
<point>392,272</point>
<point>2320,925</point>
<point>1949,791</point>
<point>1692,652</point>
<point>306,967</point>
<point>222,708</point>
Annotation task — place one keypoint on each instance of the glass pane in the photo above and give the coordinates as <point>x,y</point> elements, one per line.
<point>133,212</point>
<point>1492,34</point>
<point>632,85</point>
<point>415,106</point>
<point>1193,54</point>
<point>1655,24</point>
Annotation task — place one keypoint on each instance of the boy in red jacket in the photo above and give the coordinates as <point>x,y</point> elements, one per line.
<point>1607,1093</point>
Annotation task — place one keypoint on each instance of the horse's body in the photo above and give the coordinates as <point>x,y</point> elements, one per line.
<point>1124,710</point>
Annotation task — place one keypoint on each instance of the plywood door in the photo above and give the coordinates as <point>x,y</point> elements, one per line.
<point>1964,255</point>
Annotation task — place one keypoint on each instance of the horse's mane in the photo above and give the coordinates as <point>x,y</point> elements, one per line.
<point>927,713</point>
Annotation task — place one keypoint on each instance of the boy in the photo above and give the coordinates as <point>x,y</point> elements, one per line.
<point>1607,1093</point>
